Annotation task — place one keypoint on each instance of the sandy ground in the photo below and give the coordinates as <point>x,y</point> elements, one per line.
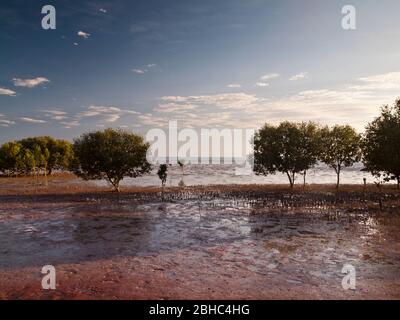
<point>220,242</point>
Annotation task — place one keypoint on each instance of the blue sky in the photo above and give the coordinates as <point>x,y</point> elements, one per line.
<point>234,64</point>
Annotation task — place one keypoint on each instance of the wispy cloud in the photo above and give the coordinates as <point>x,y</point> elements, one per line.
<point>234,85</point>
<point>103,10</point>
<point>149,119</point>
<point>4,122</point>
<point>387,81</point>
<point>70,124</point>
<point>83,34</point>
<point>55,114</point>
<point>223,100</point>
<point>144,69</point>
<point>261,84</point>
<point>108,114</point>
<point>299,76</point>
<point>269,76</point>
<point>355,103</point>
<point>32,120</point>
<point>7,92</point>
<point>173,107</point>
<point>30,83</point>
<point>102,114</point>
<point>139,71</point>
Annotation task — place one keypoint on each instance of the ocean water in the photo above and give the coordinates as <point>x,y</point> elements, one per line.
<point>214,174</point>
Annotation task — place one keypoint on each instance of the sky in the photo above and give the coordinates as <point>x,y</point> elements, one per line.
<point>207,64</point>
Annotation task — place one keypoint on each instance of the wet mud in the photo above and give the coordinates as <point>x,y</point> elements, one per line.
<point>200,245</point>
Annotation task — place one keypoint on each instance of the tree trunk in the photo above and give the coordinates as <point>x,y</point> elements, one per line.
<point>115,185</point>
<point>291,181</point>
<point>304,178</point>
<point>45,178</point>
<point>162,191</point>
<point>398,182</point>
<point>338,176</point>
<point>35,178</point>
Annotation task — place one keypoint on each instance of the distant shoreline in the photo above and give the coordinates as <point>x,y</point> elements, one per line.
<point>67,183</point>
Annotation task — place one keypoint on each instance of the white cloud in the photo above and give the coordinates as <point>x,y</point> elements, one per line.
<point>223,100</point>
<point>5,122</point>
<point>387,81</point>
<point>84,35</point>
<point>356,104</point>
<point>269,76</point>
<point>151,120</point>
<point>103,10</point>
<point>76,44</point>
<point>55,114</point>
<point>139,71</point>
<point>144,69</point>
<point>70,124</point>
<point>261,84</point>
<point>111,117</point>
<point>299,76</point>
<point>339,96</point>
<point>108,114</point>
<point>7,92</point>
<point>30,83</point>
<point>104,114</point>
<point>174,98</point>
<point>31,120</point>
<point>234,85</point>
<point>173,107</point>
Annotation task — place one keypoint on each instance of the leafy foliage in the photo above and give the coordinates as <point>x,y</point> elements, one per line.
<point>11,158</point>
<point>289,148</point>
<point>381,144</point>
<point>162,173</point>
<point>111,155</point>
<point>35,154</point>
<point>339,148</point>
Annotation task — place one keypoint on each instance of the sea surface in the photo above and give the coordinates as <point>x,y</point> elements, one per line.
<point>220,174</point>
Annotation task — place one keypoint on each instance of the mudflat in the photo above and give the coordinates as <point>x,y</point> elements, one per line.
<point>215,242</point>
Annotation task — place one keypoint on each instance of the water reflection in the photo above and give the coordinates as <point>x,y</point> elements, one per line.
<point>310,242</point>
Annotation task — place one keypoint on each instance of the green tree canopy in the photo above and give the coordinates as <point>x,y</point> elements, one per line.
<point>111,155</point>
<point>381,144</point>
<point>54,153</point>
<point>289,148</point>
<point>10,158</point>
<point>339,148</point>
